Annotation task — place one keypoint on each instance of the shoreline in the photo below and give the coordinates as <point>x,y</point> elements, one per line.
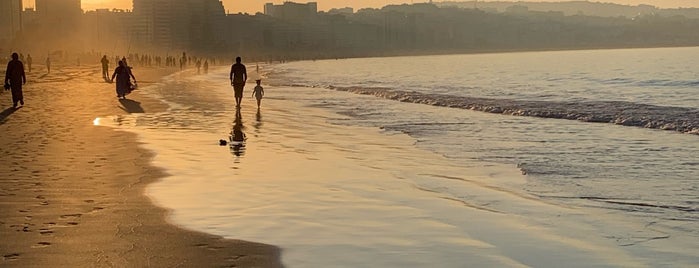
<point>73,194</point>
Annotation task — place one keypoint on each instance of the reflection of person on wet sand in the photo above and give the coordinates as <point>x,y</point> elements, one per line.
<point>15,78</point>
<point>237,137</point>
<point>48,65</point>
<point>238,78</point>
<point>258,119</point>
<point>123,83</point>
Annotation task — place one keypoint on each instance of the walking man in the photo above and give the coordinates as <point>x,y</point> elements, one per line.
<point>238,78</point>
<point>15,78</point>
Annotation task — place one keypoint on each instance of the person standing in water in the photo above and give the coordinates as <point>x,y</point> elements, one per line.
<point>123,83</point>
<point>258,92</point>
<point>238,78</point>
<point>15,78</point>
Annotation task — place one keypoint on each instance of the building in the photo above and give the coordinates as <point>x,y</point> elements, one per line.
<point>53,9</point>
<point>292,11</point>
<point>207,24</point>
<point>176,24</point>
<point>100,30</point>
<point>342,11</point>
<point>59,19</point>
<point>10,20</point>
<point>160,23</point>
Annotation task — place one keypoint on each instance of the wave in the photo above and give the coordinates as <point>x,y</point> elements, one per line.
<point>655,83</point>
<point>637,205</point>
<point>681,119</point>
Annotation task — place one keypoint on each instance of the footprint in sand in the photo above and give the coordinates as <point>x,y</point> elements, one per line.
<point>235,258</point>
<point>209,247</point>
<point>96,209</point>
<point>11,257</point>
<point>45,231</point>
<point>71,216</point>
<point>41,245</point>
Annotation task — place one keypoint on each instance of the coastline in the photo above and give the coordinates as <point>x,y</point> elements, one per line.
<point>72,193</point>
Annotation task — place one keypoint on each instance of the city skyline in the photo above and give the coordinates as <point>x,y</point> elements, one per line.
<point>253,6</point>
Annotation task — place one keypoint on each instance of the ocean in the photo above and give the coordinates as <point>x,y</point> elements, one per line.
<point>545,159</point>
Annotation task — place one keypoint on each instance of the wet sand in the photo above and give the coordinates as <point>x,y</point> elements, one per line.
<point>71,193</point>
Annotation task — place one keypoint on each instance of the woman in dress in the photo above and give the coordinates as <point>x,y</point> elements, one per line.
<point>123,83</point>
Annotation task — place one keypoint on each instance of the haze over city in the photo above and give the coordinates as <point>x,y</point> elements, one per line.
<point>386,133</point>
<point>253,6</point>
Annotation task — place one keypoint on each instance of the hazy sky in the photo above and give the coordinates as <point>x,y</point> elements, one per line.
<point>252,6</point>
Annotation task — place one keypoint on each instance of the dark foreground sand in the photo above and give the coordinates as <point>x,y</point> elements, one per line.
<point>71,193</point>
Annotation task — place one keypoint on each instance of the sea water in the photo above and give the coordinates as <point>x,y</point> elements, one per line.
<point>358,162</point>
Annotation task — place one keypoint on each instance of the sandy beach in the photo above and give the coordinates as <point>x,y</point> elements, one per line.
<point>322,178</point>
<point>71,193</point>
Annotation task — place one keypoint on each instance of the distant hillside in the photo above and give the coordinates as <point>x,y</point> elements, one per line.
<point>577,8</point>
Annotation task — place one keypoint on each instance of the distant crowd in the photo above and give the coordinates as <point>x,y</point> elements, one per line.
<point>15,75</point>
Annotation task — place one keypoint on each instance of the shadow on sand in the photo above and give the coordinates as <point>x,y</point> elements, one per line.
<point>6,113</point>
<point>131,106</point>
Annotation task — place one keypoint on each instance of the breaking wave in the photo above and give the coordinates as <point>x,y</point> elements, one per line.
<point>681,119</point>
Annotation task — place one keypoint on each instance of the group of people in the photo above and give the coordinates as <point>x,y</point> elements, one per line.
<point>123,76</point>
<point>15,77</point>
<point>239,76</point>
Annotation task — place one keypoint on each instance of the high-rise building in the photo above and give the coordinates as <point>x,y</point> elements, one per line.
<point>176,24</point>
<point>59,18</point>
<point>291,10</point>
<point>58,8</point>
<point>160,23</point>
<point>10,19</point>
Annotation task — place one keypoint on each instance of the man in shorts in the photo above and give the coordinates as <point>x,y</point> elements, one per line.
<point>238,78</point>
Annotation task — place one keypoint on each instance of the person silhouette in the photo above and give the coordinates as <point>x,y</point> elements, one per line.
<point>105,67</point>
<point>123,84</point>
<point>238,78</point>
<point>14,79</point>
<point>258,92</point>
<point>29,62</point>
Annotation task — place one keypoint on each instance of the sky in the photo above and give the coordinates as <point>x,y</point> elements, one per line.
<point>253,6</point>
